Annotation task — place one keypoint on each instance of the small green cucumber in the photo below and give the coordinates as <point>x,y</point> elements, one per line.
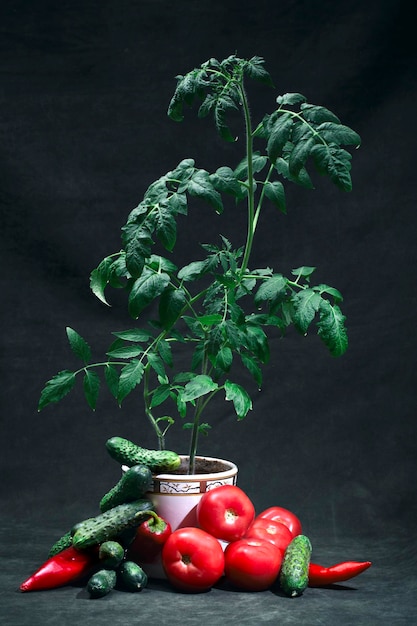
<point>111,523</point>
<point>111,553</point>
<point>128,453</point>
<point>134,483</point>
<point>101,583</point>
<point>132,577</point>
<point>293,578</point>
<point>63,542</point>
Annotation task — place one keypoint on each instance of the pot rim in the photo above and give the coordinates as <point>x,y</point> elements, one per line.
<point>232,469</point>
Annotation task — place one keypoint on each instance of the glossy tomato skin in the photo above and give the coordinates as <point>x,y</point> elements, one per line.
<point>225,512</point>
<point>192,559</point>
<point>252,564</point>
<point>279,514</point>
<point>269,530</point>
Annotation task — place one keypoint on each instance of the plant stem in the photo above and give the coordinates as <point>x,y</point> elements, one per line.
<point>148,411</point>
<point>251,190</point>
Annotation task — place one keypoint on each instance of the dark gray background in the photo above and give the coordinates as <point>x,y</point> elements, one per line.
<point>83,94</point>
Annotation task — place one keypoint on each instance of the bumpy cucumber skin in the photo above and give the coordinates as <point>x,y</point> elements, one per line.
<point>132,576</point>
<point>111,523</point>
<point>128,453</point>
<point>134,483</point>
<point>63,542</point>
<point>101,583</point>
<point>111,553</point>
<point>293,578</point>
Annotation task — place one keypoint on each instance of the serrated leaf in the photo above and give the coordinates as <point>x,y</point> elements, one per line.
<point>318,114</point>
<point>199,386</point>
<point>241,400</point>
<point>210,319</point>
<point>279,135</point>
<point>275,192</point>
<point>138,249</point>
<point>145,289</point>
<point>91,384</point>
<point>331,328</point>
<point>338,134</point>
<point>302,178</point>
<point>160,394</point>
<point>171,303</point>
<point>130,376</point>
<point>290,98</point>
<point>165,352</point>
<point>223,105</point>
<point>192,271</point>
<point>134,334</point>
<point>304,270</point>
<point>258,163</point>
<point>253,367</point>
<point>335,162</point>
<point>332,291</point>
<point>56,388</point>
<point>156,363</point>
<point>225,180</point>
<point>254,68</point>
<point>306,304</point>
<point>160,264</point>
<point>125,352</point>
<point>166,227</point>
<point>112,379</point>
<point>271,288</point>
<point>257,342</point>
<point>224,359</point>
<point>99,278</point>
<point>200,186</point>
<point>301,152</point>
<point>79,346</point>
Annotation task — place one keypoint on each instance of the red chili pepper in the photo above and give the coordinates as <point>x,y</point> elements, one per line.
<point>150,538</point>
<point>61,569</point>
<point>319,576</point>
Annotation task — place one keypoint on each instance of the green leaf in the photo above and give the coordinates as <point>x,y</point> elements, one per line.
<point>241,400</point>
<point>331,327</point>
<point>134,334</point>
<point>160,394</point>
<point>171,303</point>
<point>91,387</point>
<point>138,249</point>
<point>224,359</point>
<point>130,376</point>
<point>290,98</point>
<point>79,346</point>
<point>318,114</point>
<point>329,290</point>
<point>276,193</point>
<point>251,364</point>
<point>100,277</point>
<point>125,352</point>
<point>338,134</point>
<point>306,304</point>
<point>257,343</point>
<point>192,271</point>
<point>302,177</point>
<point>112,379</point>
<point>224,104</point>
<point>156,363</point>
<point>56,388</point>
<point>271,289</point>
<point>201,186</point>
<point>304,270</point>
<point>300,153</point>
<point>165,352</point>
<point>159,263</point>
<point>199,386</point>
<point>254,68</point>
<point>145,289</point>
<point>259,161</point>
<point>225,180</point>
<point>210,320</point>
<point>279,135</point>
<point>334,161</point>
<point>166,227</point>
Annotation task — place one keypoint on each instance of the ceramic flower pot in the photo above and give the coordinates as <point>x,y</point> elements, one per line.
<point>176,495</point>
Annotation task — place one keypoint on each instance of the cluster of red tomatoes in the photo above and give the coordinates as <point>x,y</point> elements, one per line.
<point>194,560</point>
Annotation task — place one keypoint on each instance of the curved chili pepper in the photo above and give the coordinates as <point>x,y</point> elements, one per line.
<point>61,569</point>
<point>319,576</point>
<point>150,538</point>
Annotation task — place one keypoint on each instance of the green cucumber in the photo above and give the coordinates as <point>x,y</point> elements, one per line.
<point>293,578</point>
<point>132,576</point>
<point>128,453</point>
<point>111,553</point>
<point>101,583</point>
<point>134,483</point>
<point>111,523</point>
<point>63,542</point>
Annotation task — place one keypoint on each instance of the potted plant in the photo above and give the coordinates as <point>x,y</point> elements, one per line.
<point>218,309</point>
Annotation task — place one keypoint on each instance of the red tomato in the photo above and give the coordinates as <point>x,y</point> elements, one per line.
<point>225,512</point>
<point>278,514</point>
<point>274,532</point>
<point>192,559</point>
<point>252,564</point>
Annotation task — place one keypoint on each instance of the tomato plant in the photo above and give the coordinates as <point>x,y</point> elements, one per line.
<point>192,559</point>
<point>279,514</point>
<point>252,564</point>
<point>225,512</point>
<point>269,530</point>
